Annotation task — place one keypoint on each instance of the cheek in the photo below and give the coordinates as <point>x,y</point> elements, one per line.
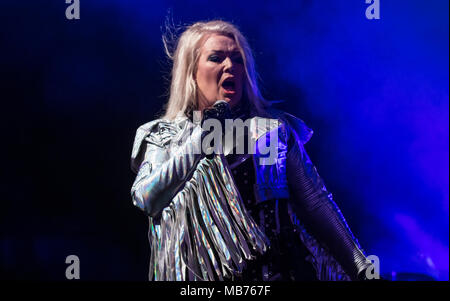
<point>206,75</point>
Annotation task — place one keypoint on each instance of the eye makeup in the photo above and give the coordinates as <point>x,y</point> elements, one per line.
<point>219,56</point>
<point>214,58</point>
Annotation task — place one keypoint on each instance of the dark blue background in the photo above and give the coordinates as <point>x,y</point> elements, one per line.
<point>74,92</point>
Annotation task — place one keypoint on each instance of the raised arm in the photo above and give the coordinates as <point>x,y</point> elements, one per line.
<point>162,168</point>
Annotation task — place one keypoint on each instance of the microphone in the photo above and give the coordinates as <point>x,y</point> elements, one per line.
<point>220,111</point>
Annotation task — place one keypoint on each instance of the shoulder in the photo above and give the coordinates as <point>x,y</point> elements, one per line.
<point>158,132</point>
<point>293,124</point>
<point>144,131</point>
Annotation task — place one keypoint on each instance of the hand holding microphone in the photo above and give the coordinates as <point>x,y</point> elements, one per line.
<point>220,110</point>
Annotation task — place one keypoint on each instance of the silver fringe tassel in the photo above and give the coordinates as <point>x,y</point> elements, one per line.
<point>206,232</point>
<point>325,265</point>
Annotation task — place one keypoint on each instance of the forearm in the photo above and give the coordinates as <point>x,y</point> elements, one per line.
<point>320,214</point>
<point>162,175</point>
<point>164,172</point>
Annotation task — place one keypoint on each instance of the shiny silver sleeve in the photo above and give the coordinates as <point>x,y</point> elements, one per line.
<point>163,170</point>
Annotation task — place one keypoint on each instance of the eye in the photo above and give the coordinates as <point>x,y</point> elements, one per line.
<point>214,58</point>
<point>238,60</point>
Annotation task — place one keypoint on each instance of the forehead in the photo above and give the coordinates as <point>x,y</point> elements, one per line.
<point>220,43</point>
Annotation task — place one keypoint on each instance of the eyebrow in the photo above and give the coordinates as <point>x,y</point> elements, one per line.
<point>222,52</point>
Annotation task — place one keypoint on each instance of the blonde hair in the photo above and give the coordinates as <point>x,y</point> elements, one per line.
<point>183,88</point>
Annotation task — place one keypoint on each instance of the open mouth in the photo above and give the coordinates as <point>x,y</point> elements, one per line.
<point>229,85</point>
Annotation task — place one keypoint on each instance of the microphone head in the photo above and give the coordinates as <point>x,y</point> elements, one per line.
<point>221,101</point>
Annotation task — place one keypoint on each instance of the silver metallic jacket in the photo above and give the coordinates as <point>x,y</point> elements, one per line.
<point>199,226</point>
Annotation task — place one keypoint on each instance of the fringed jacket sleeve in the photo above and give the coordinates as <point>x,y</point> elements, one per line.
<point>162,168</point>
<point>315,206</point>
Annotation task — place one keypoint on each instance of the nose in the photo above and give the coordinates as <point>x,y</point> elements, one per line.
<point>228,65</point>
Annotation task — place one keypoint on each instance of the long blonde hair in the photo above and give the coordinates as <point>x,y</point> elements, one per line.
<point>183,88</point>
